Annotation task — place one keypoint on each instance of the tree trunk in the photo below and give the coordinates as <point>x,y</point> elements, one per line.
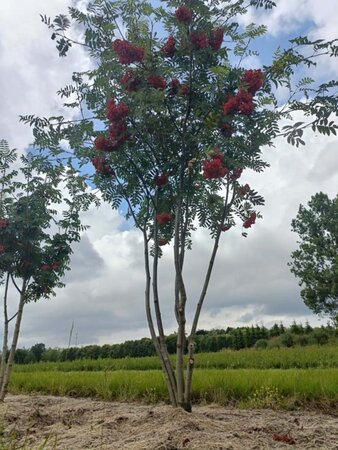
<point>5,335</point>
<point>10,361</point>
<point>163,356</point>
<point>191,345</point>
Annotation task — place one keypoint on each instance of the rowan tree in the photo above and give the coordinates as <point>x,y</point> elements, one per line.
<point>170,119</point>
<point>315,262</point>
<point>39,220</point>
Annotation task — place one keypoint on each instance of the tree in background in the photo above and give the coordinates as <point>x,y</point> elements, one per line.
<point>315,262</point>
<point>182,119</point>
<point>36,232</point>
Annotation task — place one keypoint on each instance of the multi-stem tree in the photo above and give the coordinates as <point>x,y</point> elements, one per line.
<point>182,120</point>
<point>39,220</point>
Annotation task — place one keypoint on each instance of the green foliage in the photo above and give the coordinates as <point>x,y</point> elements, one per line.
<point>315,263</point>
<point>168,131</point>
<point>205,342</point>
<point>36,229</point>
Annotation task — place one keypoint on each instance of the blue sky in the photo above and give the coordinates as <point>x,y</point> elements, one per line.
<point>251,282</point>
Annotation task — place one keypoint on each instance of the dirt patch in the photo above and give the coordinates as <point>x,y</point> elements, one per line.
<point>45,422</point>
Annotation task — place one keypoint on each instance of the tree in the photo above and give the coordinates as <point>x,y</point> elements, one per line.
<point>315,262</point>
<point>38,350</point>
<point>36,232</point>
<point>182,119</point>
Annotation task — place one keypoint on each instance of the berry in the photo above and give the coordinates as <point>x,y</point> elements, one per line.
<point>169,48</point>
<point>161,180</point>
<point>183,14</point>
<point>157,82</point>
<point>163,218</point>
<point>199,40</point>
<point>250,220</point>
<point>254,79</point>
<point>127,52</point>
<point>216,38</point>
<point>214,168</point>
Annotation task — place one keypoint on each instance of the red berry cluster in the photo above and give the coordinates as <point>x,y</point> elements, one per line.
<point>130,81</point>
<point>2,248</point>
<point>102,166</point>
<point>254,79</point>
<point>163,218</point>
<point>162,242</point>
<point>116,112</point>
<point>118,128</point>
<point>104,144</point>
<point>161,180</point>
<point>199,40</point>
<point>240,103</point>
<point>226,227</point>
<point>169,48</point>
<point>48,267</point>
<point>183,14</point>
<point>236,173</point>
<point>3,223</point>
<point>216,38</point>
<point>157,82</point>
<point>176,88</point>
<point>250,220</point>
<point>127,52</point>
<point>214,167</point>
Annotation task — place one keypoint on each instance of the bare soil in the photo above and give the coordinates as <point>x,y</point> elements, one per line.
<point>39,422</point>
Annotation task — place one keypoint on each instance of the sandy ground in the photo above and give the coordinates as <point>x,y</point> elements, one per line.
<point>45,422</point>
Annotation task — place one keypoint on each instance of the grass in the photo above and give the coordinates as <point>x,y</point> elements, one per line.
<point>241,387</point>
<point>284,358</point>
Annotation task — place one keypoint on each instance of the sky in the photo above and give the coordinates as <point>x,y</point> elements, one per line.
<point>104,294</point>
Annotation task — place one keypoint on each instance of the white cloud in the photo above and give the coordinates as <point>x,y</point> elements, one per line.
<point>315,19</point>
<point>31,70</point>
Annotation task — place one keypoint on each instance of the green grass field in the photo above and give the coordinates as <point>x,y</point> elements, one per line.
<point>280,378</point>
<point>284,358</point>
<point>246,387</point>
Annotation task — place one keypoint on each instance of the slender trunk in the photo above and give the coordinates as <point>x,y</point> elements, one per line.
<point>5,335</point>
<point>180,308</point>
<point>16,332</point>
<point>191,339</point>
<point>168,372</point>
<point>161,339</point>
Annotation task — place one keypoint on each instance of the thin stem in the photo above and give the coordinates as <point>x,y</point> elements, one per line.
<point>5,334</point>
<point>191,345</point>
<point>16,286</point>
<point>170,381</point>
<point>16,332</point>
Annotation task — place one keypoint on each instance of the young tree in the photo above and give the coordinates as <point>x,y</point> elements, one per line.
<point>315,262</point>
<point>35,238</point>
<point>182,121</point>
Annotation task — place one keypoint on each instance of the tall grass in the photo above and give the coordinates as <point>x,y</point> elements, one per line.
<point>246,387</point>
<point>285,358</point>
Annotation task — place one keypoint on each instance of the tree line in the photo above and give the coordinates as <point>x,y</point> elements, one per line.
<point>206,341</point>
